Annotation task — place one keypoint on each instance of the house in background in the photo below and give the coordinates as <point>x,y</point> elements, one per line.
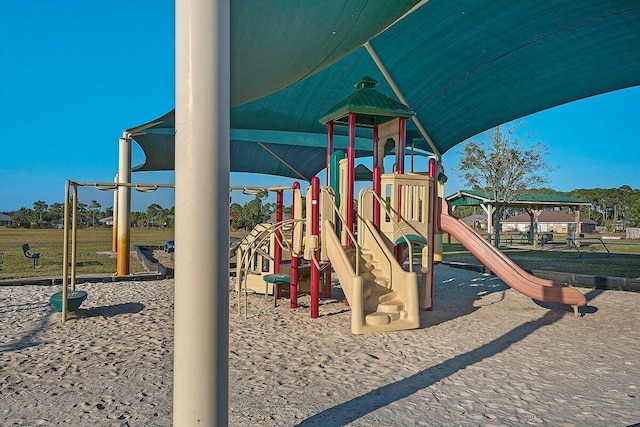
<point>5,221</point>
<point>108,221</point>
<point>476,221</point>
<point>548,222</point>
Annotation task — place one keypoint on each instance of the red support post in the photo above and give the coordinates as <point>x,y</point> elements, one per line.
<point>434,208</point>
<point>293,284</point>
<point>315,231</point>
<point>376,143</point>
<point>351,166</point>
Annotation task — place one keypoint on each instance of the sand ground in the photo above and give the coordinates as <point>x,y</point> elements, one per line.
<point>486,355</point>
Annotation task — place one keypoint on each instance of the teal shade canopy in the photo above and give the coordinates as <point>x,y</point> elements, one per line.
<point>462,66</point>
<point>277,43</point>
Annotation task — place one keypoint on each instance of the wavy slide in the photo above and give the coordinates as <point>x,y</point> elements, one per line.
<point>500,265</point>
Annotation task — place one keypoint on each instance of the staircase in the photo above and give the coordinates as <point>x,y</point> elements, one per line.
<point>382,296</point>
<point>382,306</point>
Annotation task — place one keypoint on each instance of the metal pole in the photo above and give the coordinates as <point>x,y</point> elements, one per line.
<point>74,234</point>
<point>315,231</point>
<point>327,276</point>
<point>376,189</point>
<point>114,238</point>
<point>293,285</point>
<point>402,137</point>
<point>402,143</point>
<point>65,255</point>
<point>351,166</point>
<point>277,255</point>
<point>376,177</point>
<point>437,248</point>
<point>434,209</point>
<point>329,150</point>
<point>376,142</point>
<point>201,325</point>
<point>124,205</point>
<point>327,281</point>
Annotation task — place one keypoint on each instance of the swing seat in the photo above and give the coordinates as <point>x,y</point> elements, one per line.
<point>74,299</point>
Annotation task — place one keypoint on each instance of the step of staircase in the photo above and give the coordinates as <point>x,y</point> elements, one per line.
<point>373,289</point>
<point>390,307</point>
<point>377,319</point>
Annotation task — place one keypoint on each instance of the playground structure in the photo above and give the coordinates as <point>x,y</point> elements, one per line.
<point>383,253</point>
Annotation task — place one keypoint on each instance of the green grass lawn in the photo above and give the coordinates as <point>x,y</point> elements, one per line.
<point>590,262</point>
<point>93,245</point>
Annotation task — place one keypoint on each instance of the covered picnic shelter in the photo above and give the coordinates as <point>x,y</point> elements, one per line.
<point>531,203</point>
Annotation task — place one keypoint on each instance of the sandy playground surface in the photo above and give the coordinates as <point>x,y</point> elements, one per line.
<point>486,356</point>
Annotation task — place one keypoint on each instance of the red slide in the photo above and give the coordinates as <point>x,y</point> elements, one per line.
<point>500,265</point>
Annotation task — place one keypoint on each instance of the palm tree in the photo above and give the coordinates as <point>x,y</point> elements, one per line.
<point>39,208</point>
<point>94,209</point>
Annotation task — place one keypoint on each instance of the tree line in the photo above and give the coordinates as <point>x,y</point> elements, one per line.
<point>43,215</point>
<point>608,206</point>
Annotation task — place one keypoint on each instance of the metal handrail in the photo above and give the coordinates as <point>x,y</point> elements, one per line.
<point>578,240</point>
<point>344,222</point>
<point>252,248</point>
<point>393,220</point>
<point>355,242</point>
<point>389,260</point>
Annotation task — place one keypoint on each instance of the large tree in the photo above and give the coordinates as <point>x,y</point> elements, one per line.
<point>504,166</point>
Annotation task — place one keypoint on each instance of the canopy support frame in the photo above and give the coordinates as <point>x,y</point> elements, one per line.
<point>401,97</point>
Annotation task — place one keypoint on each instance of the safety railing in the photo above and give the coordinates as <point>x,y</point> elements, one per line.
<point>343,224</point>
<point>390,213</point>
<point>250,248</point>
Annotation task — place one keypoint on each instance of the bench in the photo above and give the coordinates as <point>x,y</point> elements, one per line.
<point>545,238</point>
<point>170,246</point>
<point>34,256</point>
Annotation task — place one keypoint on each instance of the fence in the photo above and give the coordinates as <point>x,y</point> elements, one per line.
<point>633,233</point>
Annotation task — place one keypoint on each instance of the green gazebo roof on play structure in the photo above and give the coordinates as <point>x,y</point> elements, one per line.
<point>372,108</point>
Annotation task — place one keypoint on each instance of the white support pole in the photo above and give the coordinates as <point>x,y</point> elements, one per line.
<point>124,206</point>
<point>114,239</point>
<point>201,326</point>
<point>489,209</point>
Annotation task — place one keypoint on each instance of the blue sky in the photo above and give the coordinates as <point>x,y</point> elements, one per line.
<point>75,73</point>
